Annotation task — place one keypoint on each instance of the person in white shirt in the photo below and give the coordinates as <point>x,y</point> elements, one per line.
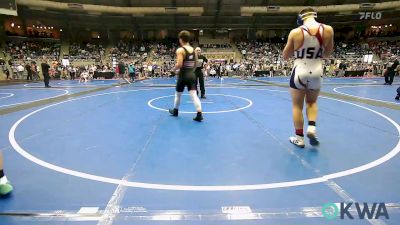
<point>149,69</point>
<point>20,70</point>
<point>213,72</point>
<point>228,69</point>
<point>72,72</point>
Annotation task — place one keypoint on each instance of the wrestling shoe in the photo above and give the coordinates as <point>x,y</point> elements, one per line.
<point>298,141</point>
<point>199,117</point>
<point>312,135</point>
<point>6,187</point>
<point>173,112</point>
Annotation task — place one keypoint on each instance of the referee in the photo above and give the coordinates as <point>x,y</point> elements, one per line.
<point>390,72</point>
<point>45,71</point>
<point>201,63</point>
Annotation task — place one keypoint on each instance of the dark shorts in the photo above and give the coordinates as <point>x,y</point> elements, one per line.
<point>189,82</point>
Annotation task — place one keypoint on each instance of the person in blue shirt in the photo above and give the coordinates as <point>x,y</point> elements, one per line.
<point>132,71</point>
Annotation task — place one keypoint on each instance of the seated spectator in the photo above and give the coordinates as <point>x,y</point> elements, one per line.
<point>29,50</point>
<point>86,51</point>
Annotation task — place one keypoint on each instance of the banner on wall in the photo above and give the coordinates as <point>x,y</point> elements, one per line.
<point>65,62</point>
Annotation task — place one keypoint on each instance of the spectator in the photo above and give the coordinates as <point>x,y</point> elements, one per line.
<point>72,72</point>
<point>131,69</point>
<point>34,69</point>
<point>29,71</point>
<point>20,70</point>
<point>27,50</point>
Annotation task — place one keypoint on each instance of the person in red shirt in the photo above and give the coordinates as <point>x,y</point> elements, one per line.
<point>116,69</point>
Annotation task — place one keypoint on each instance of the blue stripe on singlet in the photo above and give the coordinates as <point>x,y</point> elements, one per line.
<point>292,84</point>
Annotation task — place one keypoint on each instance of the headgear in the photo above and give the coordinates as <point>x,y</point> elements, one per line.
<point>307,12</point>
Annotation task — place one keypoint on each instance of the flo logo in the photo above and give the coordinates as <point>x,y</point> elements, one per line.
<point>370,15</point>
<point>364,211</point>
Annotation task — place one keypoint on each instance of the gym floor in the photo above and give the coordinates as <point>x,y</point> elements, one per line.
<point>108,153</point>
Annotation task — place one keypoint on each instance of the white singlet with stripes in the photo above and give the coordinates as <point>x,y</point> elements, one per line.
<point>308,69</point>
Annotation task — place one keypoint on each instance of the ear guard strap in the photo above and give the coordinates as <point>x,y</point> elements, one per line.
<point>300,17</point>
<point>314,14</point>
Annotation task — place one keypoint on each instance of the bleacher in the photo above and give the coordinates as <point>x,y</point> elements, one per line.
<point>86,51</point>
<point>218,49</point>
<point>23,49</point>
<point>260,54</point>
<point>130,51</point>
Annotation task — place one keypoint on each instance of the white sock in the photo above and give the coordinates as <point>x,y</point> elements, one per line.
<point>177,100</point>
<point>311,129</point>
<point>196,100</point>
<point>3,180</point>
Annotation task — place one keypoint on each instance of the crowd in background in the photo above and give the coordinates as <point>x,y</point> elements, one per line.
<point>216,46</point>
<point>164,51</point>
<point>386,49</point>
<point>86,51</point>
<point>26,50</point>
<point>350,50</point>
<point>130,50</point>
<point>381,32</point>
<point>157,58</point>
<point>260,54</point>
